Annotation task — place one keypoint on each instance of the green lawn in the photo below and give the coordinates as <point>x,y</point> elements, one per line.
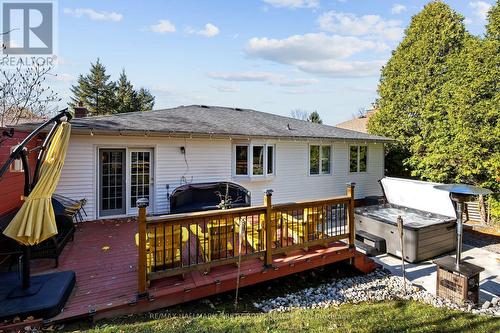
<point>394,316</point>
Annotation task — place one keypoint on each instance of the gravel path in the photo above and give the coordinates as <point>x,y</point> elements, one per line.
<point>377,286</point>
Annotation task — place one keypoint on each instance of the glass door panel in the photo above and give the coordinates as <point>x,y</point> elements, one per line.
<point>111,182</point>
<point>140,176</point>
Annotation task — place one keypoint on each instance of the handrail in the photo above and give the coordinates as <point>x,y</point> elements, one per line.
<point>202,214</point>
<point>332,200</point>
<point>179,243</point>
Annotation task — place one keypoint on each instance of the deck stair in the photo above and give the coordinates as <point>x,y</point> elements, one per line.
<point>369,244</point>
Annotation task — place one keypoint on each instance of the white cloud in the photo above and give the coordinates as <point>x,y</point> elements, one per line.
<point>398,8</point>
<point>341,68</point>
<point>480,9</point>
<point>228,89</point>
<point>309,47</point>
<point>293,3</point>
<point>209,30</point>
<point>366,25</point>
<point>319,53</point>
<point>94,15</point>
<point>268,77</point>
<point>162,27</point>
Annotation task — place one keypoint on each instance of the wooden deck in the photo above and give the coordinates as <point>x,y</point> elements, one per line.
<point>104,257</point>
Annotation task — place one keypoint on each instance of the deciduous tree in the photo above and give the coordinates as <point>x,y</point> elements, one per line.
<point>25,94</point>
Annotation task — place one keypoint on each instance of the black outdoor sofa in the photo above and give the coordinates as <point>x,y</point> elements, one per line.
<point>50,248</point>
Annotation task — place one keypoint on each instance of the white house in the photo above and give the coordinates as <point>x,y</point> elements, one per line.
<point>113,160</point>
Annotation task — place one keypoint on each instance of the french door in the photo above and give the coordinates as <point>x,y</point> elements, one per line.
<point>140,177</point>
<point>125,175</point>
<point>111,182</point>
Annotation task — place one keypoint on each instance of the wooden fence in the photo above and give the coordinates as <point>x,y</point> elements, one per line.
<point>179,243</point>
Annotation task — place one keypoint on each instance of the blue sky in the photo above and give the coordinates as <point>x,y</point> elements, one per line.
<point>270,55</point>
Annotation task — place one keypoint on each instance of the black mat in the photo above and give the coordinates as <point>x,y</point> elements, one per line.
<point>52,292</point>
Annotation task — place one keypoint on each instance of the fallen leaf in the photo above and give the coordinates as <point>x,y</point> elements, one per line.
<point>105,248</point>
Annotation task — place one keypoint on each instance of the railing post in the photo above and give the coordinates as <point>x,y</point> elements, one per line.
<point>142,284</point>
<point>350,193</point>
<point>268,261</point>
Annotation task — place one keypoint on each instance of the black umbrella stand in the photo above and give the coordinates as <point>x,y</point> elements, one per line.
<point>39,296</point>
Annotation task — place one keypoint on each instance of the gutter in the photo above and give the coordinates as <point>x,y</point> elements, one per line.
<point>142,133</point>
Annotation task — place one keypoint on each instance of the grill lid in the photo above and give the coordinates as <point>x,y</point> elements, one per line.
<point>418,195</point>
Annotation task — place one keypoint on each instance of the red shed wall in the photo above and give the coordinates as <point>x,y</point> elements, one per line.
<point>12,183</point>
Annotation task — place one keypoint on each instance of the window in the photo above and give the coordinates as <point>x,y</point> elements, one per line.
<point>362,158</point>
<point>358,158</point>
<point>270,160</point>
<point>258,160</point>
<point>254,160</point>
<point>320,160</point>
<point>17,164</point>
<point>325,159</point>
<point>242,160</point>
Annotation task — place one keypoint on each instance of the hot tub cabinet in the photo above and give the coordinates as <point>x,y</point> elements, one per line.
<point>429,221</point>
<point>425,235</point>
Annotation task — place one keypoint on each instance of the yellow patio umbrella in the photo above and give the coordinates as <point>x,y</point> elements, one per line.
<point>35,221</point>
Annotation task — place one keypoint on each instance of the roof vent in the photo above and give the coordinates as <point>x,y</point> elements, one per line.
<point>289,127</point>
<point>205,106</point>
<point>238,109</point>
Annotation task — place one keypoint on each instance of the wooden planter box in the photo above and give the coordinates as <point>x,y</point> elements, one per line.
<point>459,284</point>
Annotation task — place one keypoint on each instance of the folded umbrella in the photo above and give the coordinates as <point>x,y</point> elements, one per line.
<point>35,221</point>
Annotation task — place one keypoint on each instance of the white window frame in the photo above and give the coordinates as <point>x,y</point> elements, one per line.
<point>273,160</point>
<point>358,159</point>
<point>320,160</point>
<point>250,146</point>
<point>249,152</point>
<point>17,164</point>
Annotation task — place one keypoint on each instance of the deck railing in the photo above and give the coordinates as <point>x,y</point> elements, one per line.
<point>178,243</point>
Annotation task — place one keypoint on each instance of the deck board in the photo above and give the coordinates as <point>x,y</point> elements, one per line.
<point>106,279</point>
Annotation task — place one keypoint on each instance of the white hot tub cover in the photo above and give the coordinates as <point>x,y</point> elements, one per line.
<point>418,195</point>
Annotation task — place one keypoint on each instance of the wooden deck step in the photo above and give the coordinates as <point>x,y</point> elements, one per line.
<point>367,242</point>
<point>366,249</point>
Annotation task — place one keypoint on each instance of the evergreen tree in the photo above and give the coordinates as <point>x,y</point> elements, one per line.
<point>315,118</point>
<point>145,100</point>
<point>102,96</point>
<point>95,90</point>
<point>410,85</point>
<point>126,97</point>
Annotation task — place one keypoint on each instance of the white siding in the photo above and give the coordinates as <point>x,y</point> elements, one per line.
<point>292,181</point>
<point>211,160</point>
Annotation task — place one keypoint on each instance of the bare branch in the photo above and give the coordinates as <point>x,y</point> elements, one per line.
<point>24,94</point>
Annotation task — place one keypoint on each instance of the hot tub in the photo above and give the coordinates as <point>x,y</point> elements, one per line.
<point>429,222</point>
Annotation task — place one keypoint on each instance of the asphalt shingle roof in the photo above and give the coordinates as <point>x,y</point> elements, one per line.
<point>214,120</point>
